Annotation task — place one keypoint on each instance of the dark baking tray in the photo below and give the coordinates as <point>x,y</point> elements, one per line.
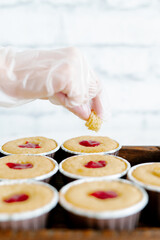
<point>59,227</point>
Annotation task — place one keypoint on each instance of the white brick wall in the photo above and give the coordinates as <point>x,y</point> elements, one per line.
<point>121,39</point>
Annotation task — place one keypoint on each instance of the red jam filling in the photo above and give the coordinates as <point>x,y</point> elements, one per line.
<point>29,145</point>
<point>98,164</point>
<point>19,165</point>
<point>104,194</point>
<point>16,198</point>
<point>89,143</point>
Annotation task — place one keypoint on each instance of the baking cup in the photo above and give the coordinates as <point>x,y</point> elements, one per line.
<point>71,177</point>
<point>29,220</point>
<point>44,178</point>
<point>124,219</point>
<point>111,152</point>
<point>48,154</point>
<point>152,211</point>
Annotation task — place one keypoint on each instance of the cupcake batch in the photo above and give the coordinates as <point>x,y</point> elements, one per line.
<point>95,192</point>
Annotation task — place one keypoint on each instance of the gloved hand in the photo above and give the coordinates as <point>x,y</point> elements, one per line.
<point>62,76</point>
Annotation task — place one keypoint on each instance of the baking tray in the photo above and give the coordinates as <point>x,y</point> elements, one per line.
<point>59,227</point>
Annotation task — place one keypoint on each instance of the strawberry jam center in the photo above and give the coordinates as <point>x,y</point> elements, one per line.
<point>98,164</point>
<point>29,145</point>
<point>16,198</point>
<point>104,194</point>
<point>19,165</point>
<point>89,143</point>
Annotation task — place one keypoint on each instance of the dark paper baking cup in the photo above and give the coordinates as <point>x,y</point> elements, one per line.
<point>44,178</point>
<point>152,211</point>
<point>70,176</point>
<point>111,152</point>
<point>47,154</point>
<point>29,220</point>
<point>124,219</point>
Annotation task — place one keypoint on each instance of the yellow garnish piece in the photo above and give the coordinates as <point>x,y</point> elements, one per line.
<point>156,171</point>
<point>94,122</point>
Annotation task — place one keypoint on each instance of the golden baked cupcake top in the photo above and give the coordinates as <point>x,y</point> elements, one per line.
<point>30,145</point>
<point>94,165</point>
<point>90,144</point>
<point>24,197</point>
<point>23,166</point>
<point>94,122</point>
<point>148,174</point>
<point>102,195</point>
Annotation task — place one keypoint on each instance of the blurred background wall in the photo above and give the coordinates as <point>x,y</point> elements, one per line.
<point>120,38</point>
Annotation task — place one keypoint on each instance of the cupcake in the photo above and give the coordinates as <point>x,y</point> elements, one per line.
<point>31,145</point>
<point>91,145</point>
<point>18,166</point>
<point>147,175</point>
<point>113,204</point>
<point>94,166</point>
<point>26,205</point>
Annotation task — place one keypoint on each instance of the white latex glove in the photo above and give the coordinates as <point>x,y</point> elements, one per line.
<point>62,76</point>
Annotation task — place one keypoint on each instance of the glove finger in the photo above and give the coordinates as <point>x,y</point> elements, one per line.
<point>82,111</point>
<point>96,105</point>
<point>100,104</point>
